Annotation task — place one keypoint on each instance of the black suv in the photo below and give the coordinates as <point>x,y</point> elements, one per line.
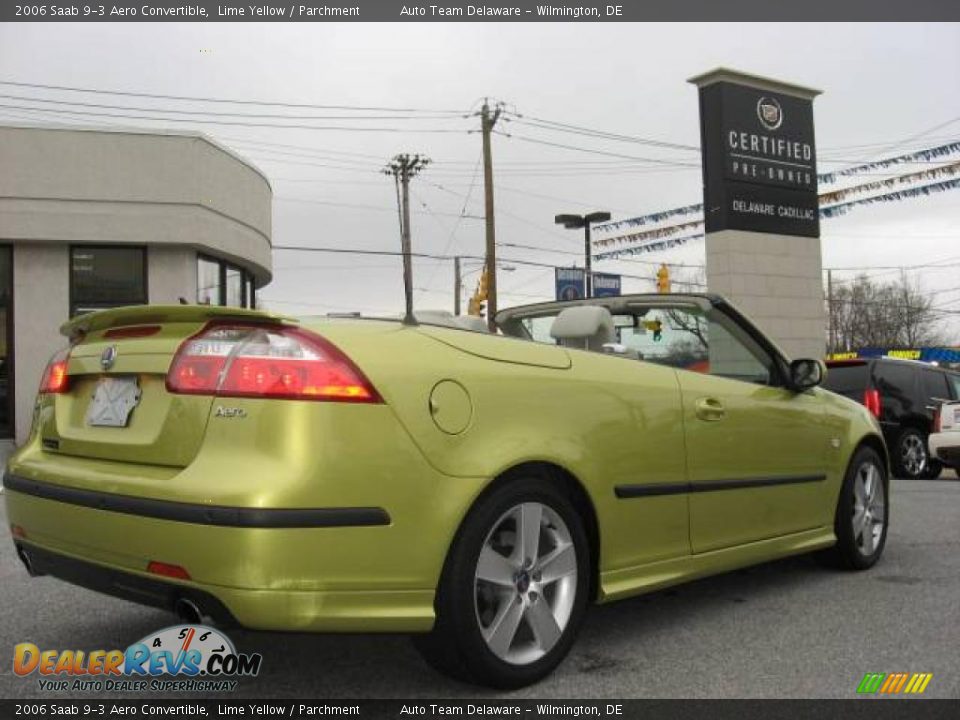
<point>904,395</point>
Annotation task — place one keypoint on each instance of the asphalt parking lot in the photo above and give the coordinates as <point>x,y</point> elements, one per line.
<point>786,629</point>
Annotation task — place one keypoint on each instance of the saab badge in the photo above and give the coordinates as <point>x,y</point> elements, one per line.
<point>108,357</point>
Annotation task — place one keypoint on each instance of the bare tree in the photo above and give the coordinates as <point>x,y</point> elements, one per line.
<point>865,313</point>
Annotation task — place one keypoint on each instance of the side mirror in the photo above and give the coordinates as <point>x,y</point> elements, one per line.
<point>806,373</point>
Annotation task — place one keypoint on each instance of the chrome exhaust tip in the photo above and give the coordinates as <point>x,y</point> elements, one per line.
<point>27,562</point>
<point>188,611</point>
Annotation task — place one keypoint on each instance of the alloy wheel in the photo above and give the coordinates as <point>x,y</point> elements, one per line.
<point>869,508</point>
<point>913,454</point>
<point>525,583</point>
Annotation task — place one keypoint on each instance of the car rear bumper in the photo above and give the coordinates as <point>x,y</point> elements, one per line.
<point>125,585</point>
<point>281,545</point>
<point>408,611</point>
<point>202,514</point>
<point>945,446</point>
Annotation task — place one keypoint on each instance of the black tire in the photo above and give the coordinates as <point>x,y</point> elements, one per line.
<point>456,645</point>
<point>910,437</point>
<point>849,553</point>
<point>933,470</point>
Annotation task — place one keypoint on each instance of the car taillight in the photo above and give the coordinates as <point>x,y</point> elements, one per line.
<point>266,361</point>
<point>936,420</point>
<point>55,378</point>
<point>871,398</point>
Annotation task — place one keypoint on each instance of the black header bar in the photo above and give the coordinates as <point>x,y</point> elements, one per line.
<point>460,11</point>
<point>188,705</point>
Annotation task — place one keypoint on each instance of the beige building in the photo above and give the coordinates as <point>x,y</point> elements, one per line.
<point>92,219</point>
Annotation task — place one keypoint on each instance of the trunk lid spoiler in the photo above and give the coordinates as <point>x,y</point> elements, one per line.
<point>78,327</point>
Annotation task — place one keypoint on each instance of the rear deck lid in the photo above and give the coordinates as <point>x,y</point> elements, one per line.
<point>500,348</point>
<point>117,406</point>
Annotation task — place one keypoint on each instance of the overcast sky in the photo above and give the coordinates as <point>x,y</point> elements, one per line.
<point>883,85</point>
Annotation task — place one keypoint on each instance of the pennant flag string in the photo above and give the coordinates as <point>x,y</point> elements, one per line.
<point>843,208</point>
<point>657,244</point>
<point>919,155</point>
<point>833,199</point>
<point>647,234</point>
<point>824,178</point>
<point>648,247</point>
<point>931,174</point>
<point>651,218</point>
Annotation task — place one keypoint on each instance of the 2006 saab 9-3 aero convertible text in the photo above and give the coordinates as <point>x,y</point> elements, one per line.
<point>480,490</point>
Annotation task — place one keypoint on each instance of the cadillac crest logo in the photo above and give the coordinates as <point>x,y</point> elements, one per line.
<point>769,113</point>
<point>108,357</point>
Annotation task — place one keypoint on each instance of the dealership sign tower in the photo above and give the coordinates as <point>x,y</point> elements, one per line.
<point>760,204</point>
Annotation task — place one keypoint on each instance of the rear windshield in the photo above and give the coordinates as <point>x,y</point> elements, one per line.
<point>955,381</point>
<point>846,378</point>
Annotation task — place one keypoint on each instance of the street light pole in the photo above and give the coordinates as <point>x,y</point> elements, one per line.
<point>456,285</point>
<point>583,221</point>
<point>588,279</point>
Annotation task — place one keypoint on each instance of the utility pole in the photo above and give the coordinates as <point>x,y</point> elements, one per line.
<point>487,121</point>
<point>831,339</point>
<point>456,285</point>
<point>403,167</point>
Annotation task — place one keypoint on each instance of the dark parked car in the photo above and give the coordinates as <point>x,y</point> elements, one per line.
<point>904,395</point>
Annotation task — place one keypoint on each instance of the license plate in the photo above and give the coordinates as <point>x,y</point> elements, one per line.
<point>113,401</point>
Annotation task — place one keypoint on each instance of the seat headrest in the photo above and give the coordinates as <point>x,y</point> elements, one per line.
<point>583,322</point>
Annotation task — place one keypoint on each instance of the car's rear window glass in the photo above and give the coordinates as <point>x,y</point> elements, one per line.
<point>846,378</point>
<point>955,381</point>
<point>935,385</point>
<point>895,379</point>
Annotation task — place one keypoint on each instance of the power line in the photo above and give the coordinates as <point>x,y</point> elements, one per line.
<point>938,263</point>
<point>599,134</point>
<point>214,113</point>
<point>434,256</point>
<point>232,123</point>
<point>654,161</point>
<point>463,213</point>
<point>302,148</point>
<point>231,101</point>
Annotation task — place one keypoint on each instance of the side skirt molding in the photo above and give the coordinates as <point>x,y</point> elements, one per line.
<point>652,490</point>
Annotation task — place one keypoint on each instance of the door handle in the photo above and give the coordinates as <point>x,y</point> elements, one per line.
<point>710,409</point>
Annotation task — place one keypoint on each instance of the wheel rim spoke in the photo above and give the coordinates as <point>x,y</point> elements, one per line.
<point>859,521</point>
<point>494,568</point>
<point>545,629</point>
<point>503,629</point>
<point>561,563</point>
<point>868,543</point>
<point>859,491</point>
<point>529,521</point>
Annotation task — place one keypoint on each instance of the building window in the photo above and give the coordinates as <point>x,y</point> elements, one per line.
<point>106,276</point>
<point>208,282</point>
<point>220,283</point>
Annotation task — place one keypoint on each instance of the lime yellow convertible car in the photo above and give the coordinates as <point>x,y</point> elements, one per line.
<point>478,490</point>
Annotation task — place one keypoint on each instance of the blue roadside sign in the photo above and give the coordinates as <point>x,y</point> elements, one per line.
<point>569,283</point>
<point>606,285</point>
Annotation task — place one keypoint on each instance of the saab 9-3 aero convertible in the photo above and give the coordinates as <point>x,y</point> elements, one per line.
<point>478,490</point>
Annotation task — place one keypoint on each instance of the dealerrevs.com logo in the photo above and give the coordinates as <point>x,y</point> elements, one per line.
<point>894,683</point>
<point>201,658</point>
